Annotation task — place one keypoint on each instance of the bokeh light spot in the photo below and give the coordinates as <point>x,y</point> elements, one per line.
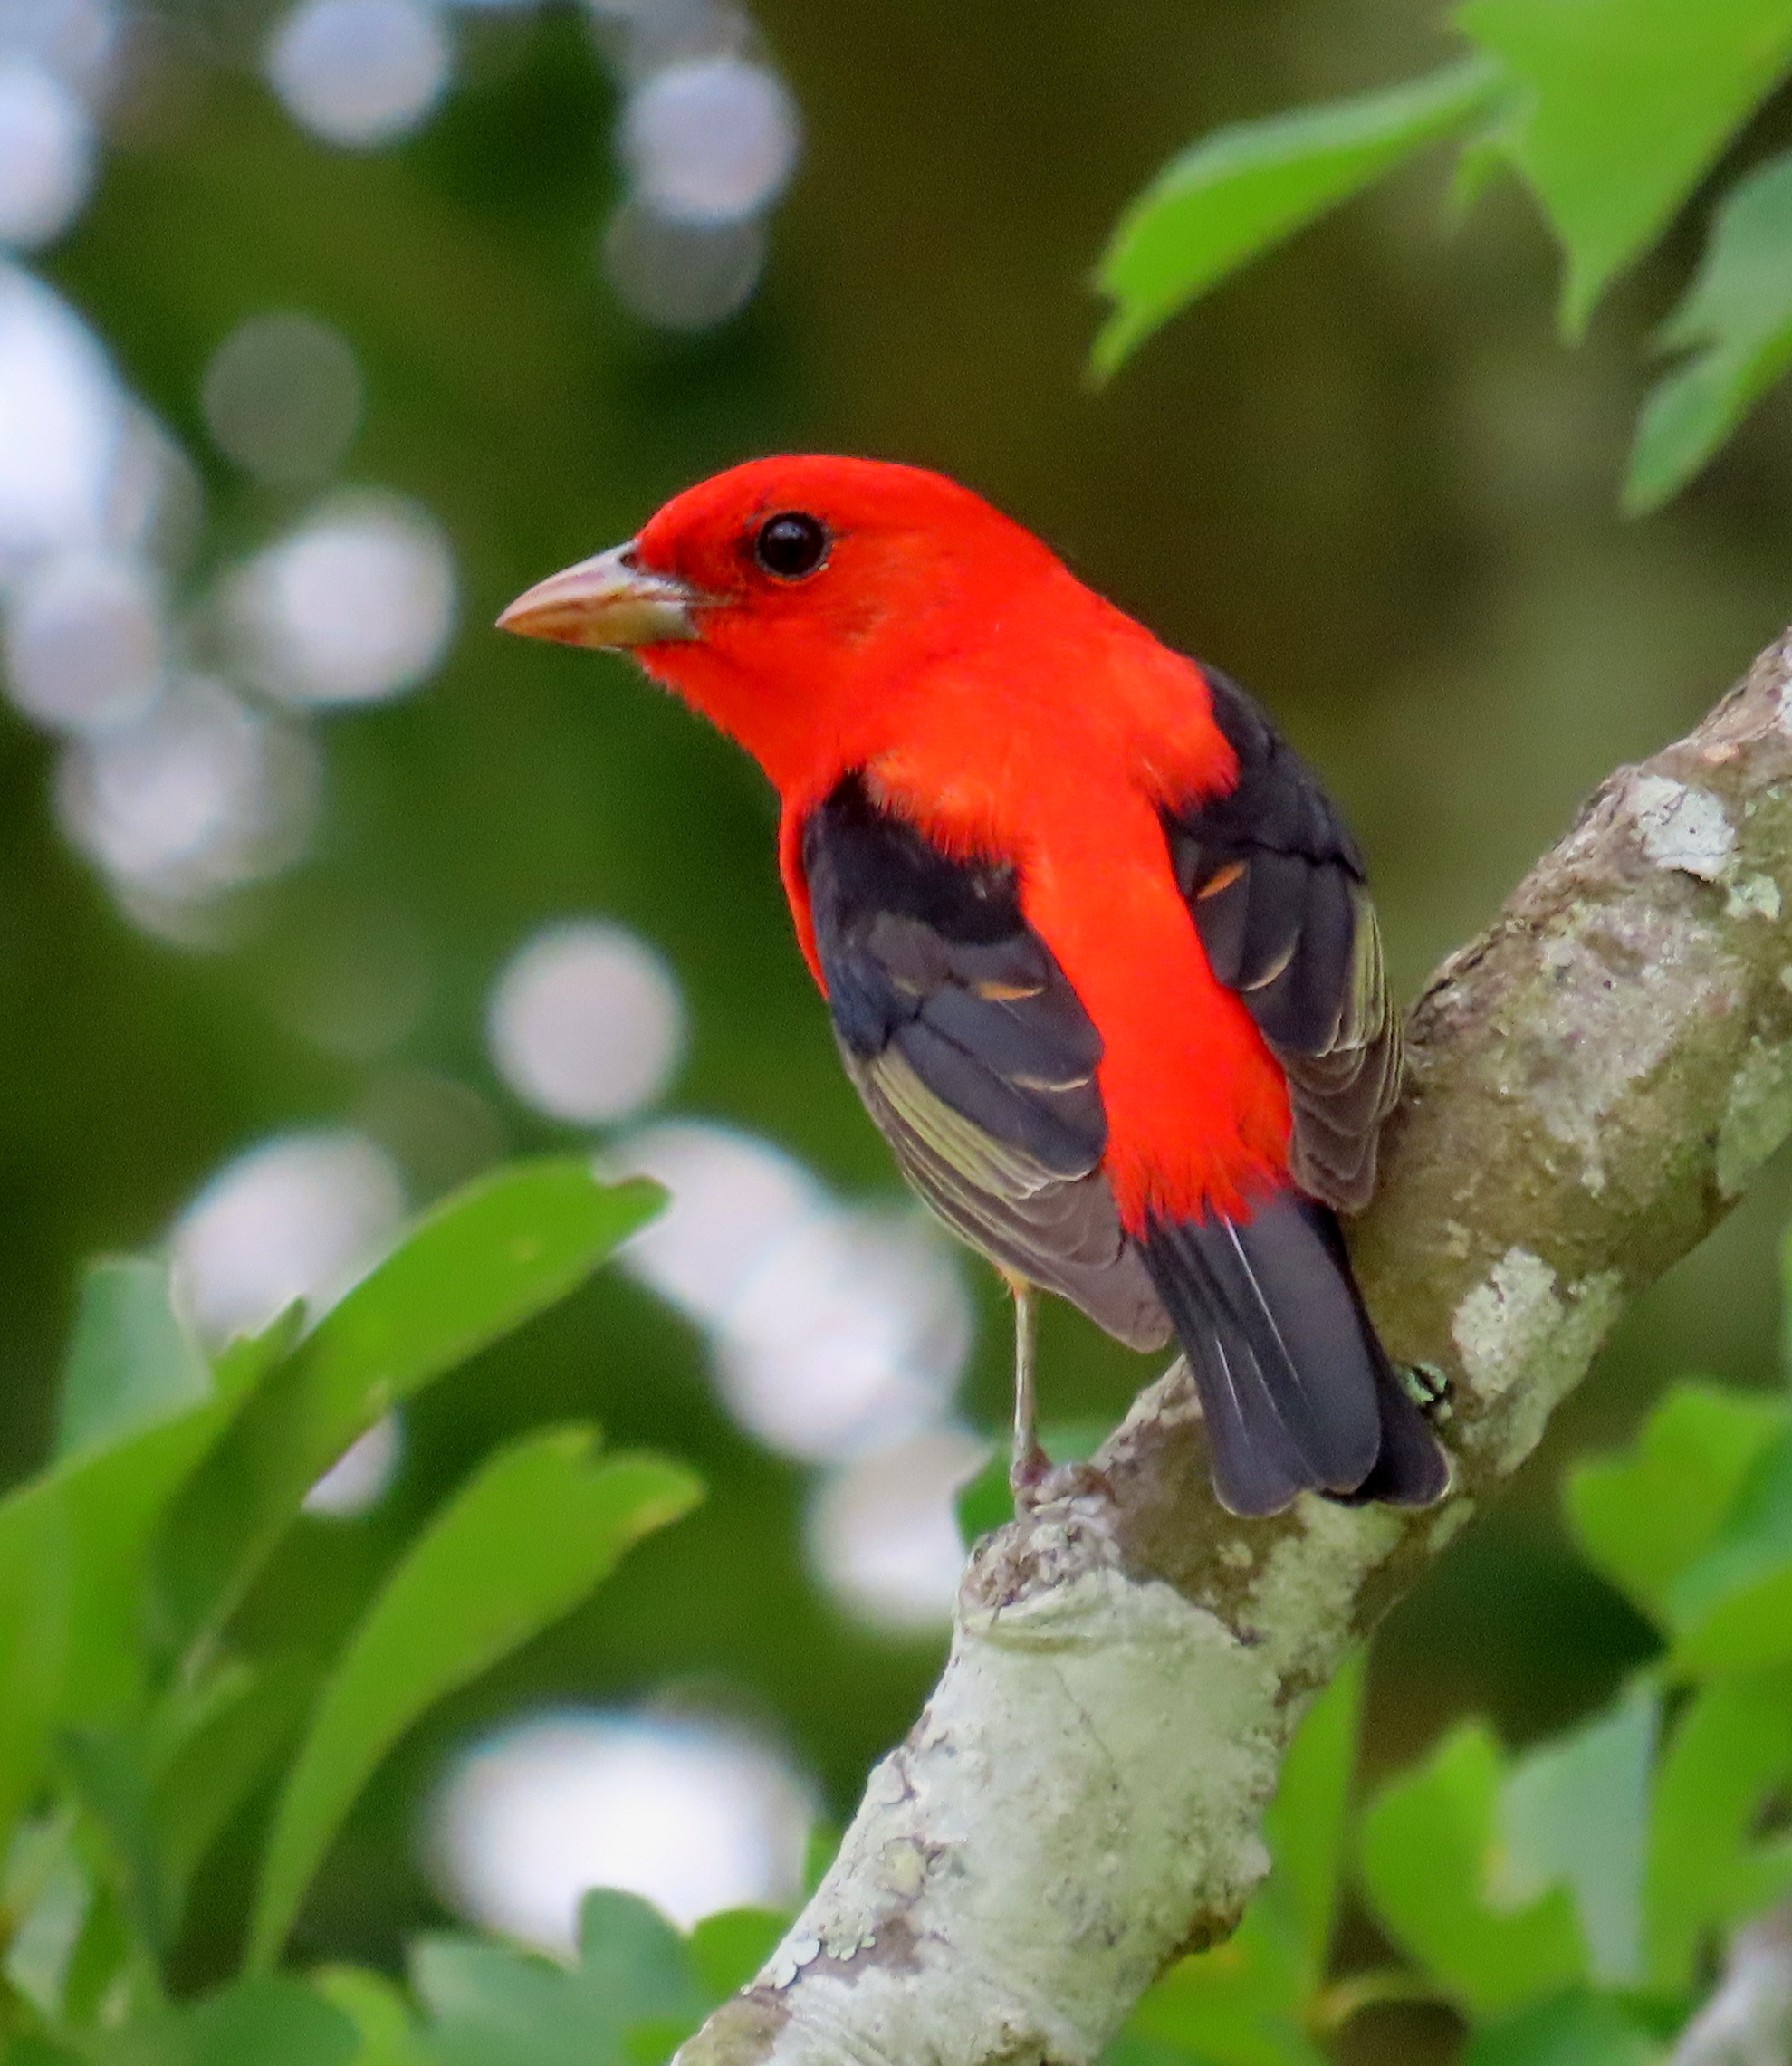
<point>300,1216</point>
<point>83,640</point>
<point>62,416</point>
<point>153,503</point>
<point>356,606</point>
<point>283,396</point>
<point>833,1330</point>
<point>710,141</point>
<point>46,154</point>
<point>680,275</point>
<point>586,1023</point>
<point>883,1534</point>
<point>76,39</point>
<point>734,1200</point>
<point>692,1816</point>
<point>360,1477</point>
<point>359,72</point>
<point>849,1331</point>
<point>197,796</point>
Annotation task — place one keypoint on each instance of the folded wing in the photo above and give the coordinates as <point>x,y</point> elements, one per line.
<point>1275,884</point>
<point>973,1055</point>
<point>1298,1391</point>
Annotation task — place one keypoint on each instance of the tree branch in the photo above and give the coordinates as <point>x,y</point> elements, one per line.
<point>1747,2021</point>
<point>1591,1084</point>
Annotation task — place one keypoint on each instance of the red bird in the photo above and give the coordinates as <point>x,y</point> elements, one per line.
<point>1097,947</point>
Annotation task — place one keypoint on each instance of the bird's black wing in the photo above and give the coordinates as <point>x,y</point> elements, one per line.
<point>972,1054</point>
<point>1296,1390</point>
<point>1275,883</point>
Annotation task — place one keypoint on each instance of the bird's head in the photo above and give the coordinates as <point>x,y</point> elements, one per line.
<point>803,603</point>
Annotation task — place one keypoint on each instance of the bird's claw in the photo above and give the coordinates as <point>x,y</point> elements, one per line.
<point>1427,1387</point>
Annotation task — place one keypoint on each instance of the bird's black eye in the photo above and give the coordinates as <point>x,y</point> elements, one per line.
<point>790,544</point>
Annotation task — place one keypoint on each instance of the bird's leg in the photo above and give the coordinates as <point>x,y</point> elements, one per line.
<point>1028,1463</point>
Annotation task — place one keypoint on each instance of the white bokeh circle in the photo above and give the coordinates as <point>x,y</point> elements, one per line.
<point>361,72</point>
<point>586,1022</point>
<point>883,1531</point>
<point>62,421</point>
<point>46,154</point>
<point>692,1816</point>
<point>197,796</point>
<point>355,606</point>
<point>84,639</point>
<point>300,1216</point>
<point>283,396</point>
<point>710,140</point>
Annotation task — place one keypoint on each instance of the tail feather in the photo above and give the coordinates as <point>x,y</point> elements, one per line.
<point>1411,1469</point>
<point>1298,1392</point>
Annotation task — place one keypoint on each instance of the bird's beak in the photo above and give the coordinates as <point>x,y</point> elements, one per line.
<point>606,600</point>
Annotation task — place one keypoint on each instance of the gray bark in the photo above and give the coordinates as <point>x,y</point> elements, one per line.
<point>1747,2021</point>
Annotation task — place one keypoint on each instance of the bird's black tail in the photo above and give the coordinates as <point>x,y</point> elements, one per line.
<point>1297,1393</point>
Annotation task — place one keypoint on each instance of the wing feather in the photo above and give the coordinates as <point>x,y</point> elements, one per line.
<point>973,1055</point>
<point>1275,884</point>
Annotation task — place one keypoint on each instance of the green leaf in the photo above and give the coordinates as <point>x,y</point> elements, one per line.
<point>1242,189</point>
<point>1238,2004</point>
<point>260,2021</point>
<point>386,2031</point>
<point>1732,1609</point>
<point>1575,1813</point>
<point>217,1764</point>
<point>819,1849</point>
<point>1574,2030</point>
<point>1306,1822</point>
<point>519,1545</point>
<point>632,1960</point>
<point>130,1361</point>
<point>1737,322</point>
<point>653,2042</point>
<point>491,2005</point>
<point>273,2021</point>
<point>1428,1847</point>
<point>1762,1879</point>
<point>47,1895</point>
<point>481,1263</point>
<point>727,1949</point>
<point>1729,1752</point>
<point>34,1638</point>
<point>40,2051</point>
<point>1628,104</point>
<point>1643,1518</point>
<point>105,1968</point>
<point>75,1539</point>
<point>1129,2049</point>
<point>106,1768</point>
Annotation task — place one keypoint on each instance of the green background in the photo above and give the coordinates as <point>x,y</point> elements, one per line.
<point>1365,478</point>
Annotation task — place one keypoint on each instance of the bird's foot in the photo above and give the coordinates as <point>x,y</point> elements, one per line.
<point>1027,1470</point>
<point>1427,1387</point>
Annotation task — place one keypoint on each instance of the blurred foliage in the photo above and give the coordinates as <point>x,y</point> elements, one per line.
<point>143,1711</point>
<point>1612,112</point>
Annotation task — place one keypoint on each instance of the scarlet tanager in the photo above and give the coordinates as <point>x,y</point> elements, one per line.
<point>1097,947</point>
